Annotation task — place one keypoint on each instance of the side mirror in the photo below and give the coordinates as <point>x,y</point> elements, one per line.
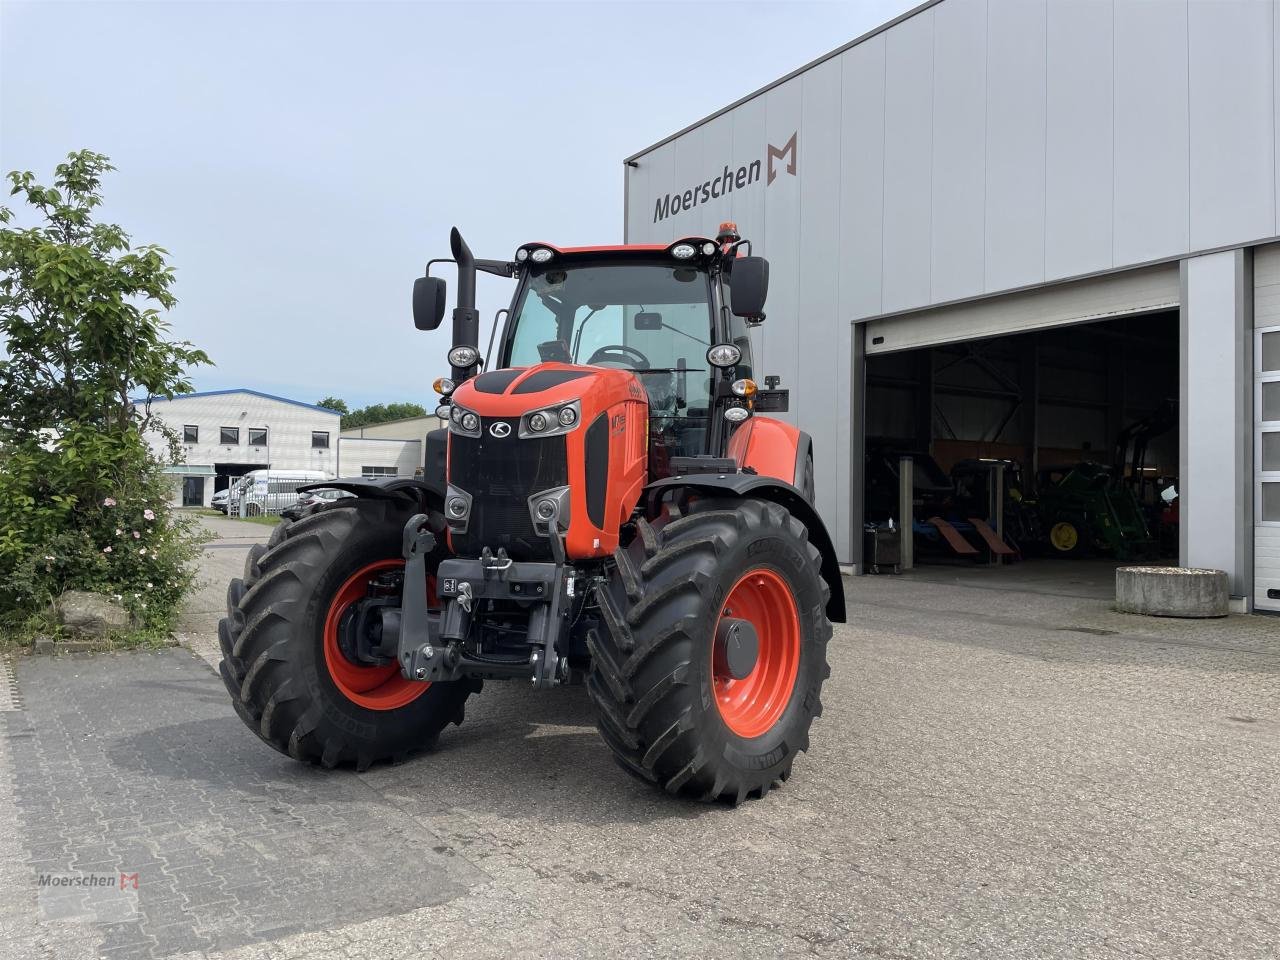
<point>749,286</point>
<point>648,321</point>
<point>428,302</point>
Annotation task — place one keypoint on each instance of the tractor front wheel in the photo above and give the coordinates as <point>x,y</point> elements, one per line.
<point>707,670</point>
<point>291,678</point>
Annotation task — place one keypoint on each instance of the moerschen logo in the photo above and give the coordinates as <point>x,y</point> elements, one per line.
<point>728,181</point>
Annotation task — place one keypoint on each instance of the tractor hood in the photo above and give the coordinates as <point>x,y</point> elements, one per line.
<point>520,390</point>
<point>553,433</point>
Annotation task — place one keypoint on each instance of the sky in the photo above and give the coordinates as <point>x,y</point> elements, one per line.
<point>302,161</point>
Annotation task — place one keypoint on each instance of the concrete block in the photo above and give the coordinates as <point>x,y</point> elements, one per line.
<point>1173,591</point>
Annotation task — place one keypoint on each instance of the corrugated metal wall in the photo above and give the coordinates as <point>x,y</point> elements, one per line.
<point>976,147</point>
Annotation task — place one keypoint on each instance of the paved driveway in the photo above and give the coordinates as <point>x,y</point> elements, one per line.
<point>996,775</point>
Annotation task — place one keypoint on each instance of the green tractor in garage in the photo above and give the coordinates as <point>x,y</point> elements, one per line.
<point>1085,509</point>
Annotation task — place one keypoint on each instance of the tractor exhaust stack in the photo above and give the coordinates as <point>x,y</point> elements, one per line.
<point>466,318</point>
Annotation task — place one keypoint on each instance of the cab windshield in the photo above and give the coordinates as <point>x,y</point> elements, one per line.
<point>654,319</point>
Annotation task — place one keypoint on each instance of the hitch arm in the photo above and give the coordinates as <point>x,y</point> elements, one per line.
<point>415,623</point>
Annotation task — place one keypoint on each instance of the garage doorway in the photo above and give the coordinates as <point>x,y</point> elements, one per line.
<point>1037,460</point>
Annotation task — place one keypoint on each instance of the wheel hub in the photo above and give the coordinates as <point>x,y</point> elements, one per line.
<point>737,647</point>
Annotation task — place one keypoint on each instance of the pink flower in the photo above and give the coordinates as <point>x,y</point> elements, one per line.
<point>148,514</point>
<point>109,502</point>
<point>137,535</point>
<point>106,549</point>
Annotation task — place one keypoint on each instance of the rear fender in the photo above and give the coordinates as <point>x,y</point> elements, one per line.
<point>772,448</point>
<point>762,488</point>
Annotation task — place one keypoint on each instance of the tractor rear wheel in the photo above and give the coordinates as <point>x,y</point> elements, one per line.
<point>707,670</point>
<point>1067,538</point>
<point>290,679</point>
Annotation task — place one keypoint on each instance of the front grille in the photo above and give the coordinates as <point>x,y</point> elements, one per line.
<point>501,474</point>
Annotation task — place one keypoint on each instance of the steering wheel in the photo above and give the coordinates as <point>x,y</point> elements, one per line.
<point>619,353</point>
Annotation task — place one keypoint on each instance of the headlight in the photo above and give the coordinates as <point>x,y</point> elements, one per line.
<point>457,508</point>
<point>443,386</point>
<point>522,255</point>
<point>724,355</point>
<point>442,411</point>
<point>464,422</point>
<point>552,421</point>
<point>708,248</point>
<point>744,388</point>
<point>546,509</point>
<point>736,414</point>
<point>463,356</point>
<point>541,255</point>
<point>683,251</point>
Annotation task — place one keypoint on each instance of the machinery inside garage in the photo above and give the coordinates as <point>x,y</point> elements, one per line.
<point>1030,450</point>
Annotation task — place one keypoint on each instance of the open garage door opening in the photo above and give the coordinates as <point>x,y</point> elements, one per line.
<point>1039,460</point>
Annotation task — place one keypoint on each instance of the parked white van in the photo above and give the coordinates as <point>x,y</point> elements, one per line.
<point>269,491</point>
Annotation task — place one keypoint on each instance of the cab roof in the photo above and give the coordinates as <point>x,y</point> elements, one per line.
<point>617,249</point>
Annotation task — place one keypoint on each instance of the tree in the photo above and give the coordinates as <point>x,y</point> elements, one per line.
<point>333,403</point>
<point>381,413</point>
<point>84,501</point>
<point>79,310</point>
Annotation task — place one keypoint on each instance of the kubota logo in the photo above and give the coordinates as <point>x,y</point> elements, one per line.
<point>729,180</point>
<point>501,429</point>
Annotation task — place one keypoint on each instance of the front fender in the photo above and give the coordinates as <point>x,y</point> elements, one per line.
<point>763,488</point>
<point>427,494</point>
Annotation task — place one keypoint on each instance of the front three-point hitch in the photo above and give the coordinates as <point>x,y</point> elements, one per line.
<point>439,645</point>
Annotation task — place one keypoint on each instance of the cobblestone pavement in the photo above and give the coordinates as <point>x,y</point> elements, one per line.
<point>997,774</point>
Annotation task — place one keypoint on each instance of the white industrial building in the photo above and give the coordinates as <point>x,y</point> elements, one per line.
<point>227,433</point>
<point>1015,229</point>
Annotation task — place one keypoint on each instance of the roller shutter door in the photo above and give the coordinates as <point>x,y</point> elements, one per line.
<point>1082,301</point>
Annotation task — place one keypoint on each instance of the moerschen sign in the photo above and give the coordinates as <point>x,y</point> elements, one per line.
<point>730,179</point>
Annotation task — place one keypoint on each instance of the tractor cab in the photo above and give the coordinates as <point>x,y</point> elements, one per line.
<point>676,317</point>
<point>639,310</point>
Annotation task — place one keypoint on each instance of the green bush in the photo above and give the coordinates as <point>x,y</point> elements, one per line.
<point>83,496</point>
<point>90,512</point>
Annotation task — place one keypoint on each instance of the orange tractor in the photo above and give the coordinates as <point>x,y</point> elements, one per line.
<point>607,505</point>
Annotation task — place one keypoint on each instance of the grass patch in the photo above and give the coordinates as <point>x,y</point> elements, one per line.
<point>266,519</point>
<point>18,636</point>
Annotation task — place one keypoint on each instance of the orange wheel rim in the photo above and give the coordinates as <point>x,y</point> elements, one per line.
<point>752,705</point>
<point>372,687</point>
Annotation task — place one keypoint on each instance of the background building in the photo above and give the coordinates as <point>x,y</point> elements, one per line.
<point>1018,228</point>
<point>391,449</point>
<point>227,433</point>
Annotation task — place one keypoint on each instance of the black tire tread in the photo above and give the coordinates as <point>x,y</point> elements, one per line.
<point>258,635</point>
<point>637,664</point>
